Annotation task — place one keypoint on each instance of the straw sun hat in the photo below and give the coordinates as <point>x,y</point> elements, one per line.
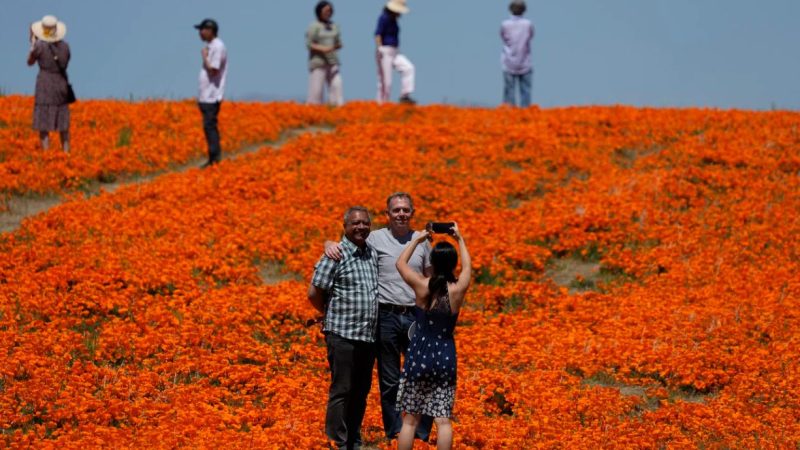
<point>398,6</point>
<point>49,29</point>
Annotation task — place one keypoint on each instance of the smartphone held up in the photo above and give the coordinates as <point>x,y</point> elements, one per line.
<point>440,227</point>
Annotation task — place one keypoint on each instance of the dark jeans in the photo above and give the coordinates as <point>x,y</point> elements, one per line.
<point>392,341</point>
<point>351,377</point>
<point>210,112</point>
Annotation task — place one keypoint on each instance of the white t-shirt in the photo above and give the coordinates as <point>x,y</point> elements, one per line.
<point>212,88</point>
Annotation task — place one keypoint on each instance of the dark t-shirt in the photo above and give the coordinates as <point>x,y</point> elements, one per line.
<point>388,30</point>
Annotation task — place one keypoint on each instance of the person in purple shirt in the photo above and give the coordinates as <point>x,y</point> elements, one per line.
<point>517,34</point>
<point>387,39</point>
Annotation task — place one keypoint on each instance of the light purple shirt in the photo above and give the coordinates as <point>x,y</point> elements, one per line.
<point>517,34</point>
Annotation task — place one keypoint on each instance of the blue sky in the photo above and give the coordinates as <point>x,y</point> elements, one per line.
<point>718,53</point>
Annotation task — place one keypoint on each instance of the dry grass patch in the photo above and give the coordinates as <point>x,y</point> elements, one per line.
<point>275,272</point>
<point>574,273</point>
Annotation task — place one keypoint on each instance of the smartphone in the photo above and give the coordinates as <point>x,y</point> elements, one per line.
<point>441,227</point>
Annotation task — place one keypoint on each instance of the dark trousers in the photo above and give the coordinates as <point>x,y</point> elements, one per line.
<point>351,377</point>
<point>392,341</point>
<point>210,112</point>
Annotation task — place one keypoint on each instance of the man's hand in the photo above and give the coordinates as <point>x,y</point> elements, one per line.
<point>204,54</point>
<point>206,65</point>
<point>316,297</point>
<point>333,250</point>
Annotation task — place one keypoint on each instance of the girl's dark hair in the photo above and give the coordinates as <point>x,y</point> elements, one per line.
<point>320,6</point>
<point>444,258</point>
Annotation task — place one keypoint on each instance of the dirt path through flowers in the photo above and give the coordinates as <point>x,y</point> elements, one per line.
<point>21,207</point>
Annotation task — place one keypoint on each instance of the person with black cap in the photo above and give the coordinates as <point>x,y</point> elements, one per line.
<point>212,85</point>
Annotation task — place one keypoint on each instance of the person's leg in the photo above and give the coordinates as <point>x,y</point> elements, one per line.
<point>63,127</point>
<point>216,148</point>
<point>208,125</point>
<point>423,432</point>
<point>341,353</point>
<point>405,440</point>
<point>385,56</point>
<point>335,88</point>
<point>444,433</point>
<point>407,73</point>
<point>64,135</point>
<point>508,88</point>
<point>525,82</point>
<point>44,139</point>
<point>363,361</point>
<point>210,112</point>
<point>316,83</point>
<point>390,344</point>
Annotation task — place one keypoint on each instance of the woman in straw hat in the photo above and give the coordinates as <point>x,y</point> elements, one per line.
<point>387,38</point>
<point>51,108</point>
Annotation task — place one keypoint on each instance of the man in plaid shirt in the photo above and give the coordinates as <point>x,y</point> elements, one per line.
<point>345,292</point>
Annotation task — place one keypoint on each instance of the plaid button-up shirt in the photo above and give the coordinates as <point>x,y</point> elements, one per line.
<point>352,287</point>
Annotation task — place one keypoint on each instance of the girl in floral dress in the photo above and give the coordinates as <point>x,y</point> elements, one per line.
<point>428,381</point>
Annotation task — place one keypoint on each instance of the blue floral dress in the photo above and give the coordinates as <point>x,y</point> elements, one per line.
<point>428,380</point>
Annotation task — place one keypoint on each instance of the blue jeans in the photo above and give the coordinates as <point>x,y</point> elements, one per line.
<point>525,81</point>
<point>392,341</point>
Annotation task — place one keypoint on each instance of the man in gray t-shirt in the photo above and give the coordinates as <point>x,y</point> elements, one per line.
<point>396,302</point>
<point>392,290</point>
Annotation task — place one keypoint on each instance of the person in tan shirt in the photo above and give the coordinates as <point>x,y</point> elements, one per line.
<point>324,40</point>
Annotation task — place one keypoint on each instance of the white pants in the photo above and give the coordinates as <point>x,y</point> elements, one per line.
<point>389,58</point>
<point>321,77</point>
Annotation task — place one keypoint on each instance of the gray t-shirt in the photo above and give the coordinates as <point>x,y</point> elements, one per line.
<point>391,287</point>
<point>322,34</point>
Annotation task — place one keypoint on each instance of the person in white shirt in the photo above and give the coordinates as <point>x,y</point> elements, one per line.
<point>212,85</point>
<point>517,34</point>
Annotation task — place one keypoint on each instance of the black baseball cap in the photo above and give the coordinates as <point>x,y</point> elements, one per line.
<point>208,23</point>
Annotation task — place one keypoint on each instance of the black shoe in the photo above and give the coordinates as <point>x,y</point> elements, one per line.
<point>209,163</point>
<point>406,99</point>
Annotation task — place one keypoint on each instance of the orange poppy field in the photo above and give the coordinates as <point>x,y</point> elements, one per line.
<point>635,273</point>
